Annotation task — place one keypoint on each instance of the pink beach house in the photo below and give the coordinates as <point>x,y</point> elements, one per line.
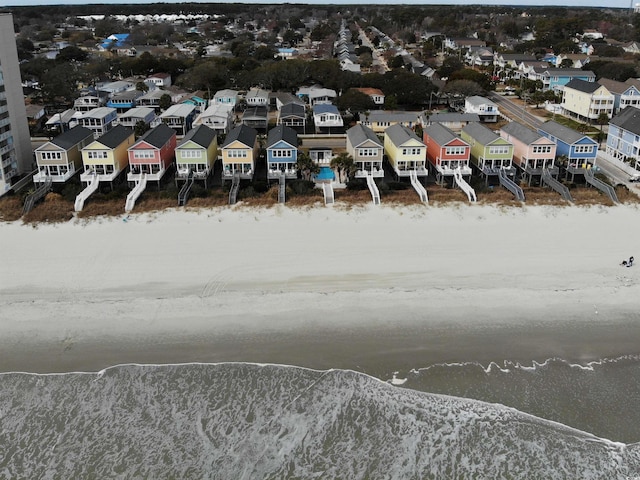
<point>152,154</point>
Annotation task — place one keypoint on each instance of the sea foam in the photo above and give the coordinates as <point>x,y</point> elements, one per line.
<point>247,421</point>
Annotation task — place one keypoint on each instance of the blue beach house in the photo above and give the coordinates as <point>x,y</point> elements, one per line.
<point>282,152</point>
<point>580,150</point>
<point>623,139</point>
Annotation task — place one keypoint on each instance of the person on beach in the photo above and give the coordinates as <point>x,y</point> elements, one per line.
<point>627,263</point>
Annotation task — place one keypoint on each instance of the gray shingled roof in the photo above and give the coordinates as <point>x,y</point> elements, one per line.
<point>454,117</point>
<point>243,134</point>
<point>201,135</point>
<point>441,134</point>
<point>158,136</point>
<point>566,134</point>
<point>399,134</point>
<point>115,136</point>
<point>614,86</point>
<point>583,85</point>
<point>72,137</point>
<point>480,133</point>
<point>282,132</point>
<point>522,133</point>
<point>292,110</point>
<point>628,119</point>
<point>358,134</point>
<point>391,116</point>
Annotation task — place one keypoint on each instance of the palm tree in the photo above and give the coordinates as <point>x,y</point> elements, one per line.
<point>602,119</point>
<point>306,166</point>
<point>345,166</point>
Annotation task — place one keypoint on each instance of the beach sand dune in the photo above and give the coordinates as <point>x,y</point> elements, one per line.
<point>375,289</point>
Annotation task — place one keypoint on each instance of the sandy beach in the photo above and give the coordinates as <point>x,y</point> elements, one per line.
<point>374,289</point>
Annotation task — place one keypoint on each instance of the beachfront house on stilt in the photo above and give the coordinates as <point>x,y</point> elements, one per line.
<point>239,152</point>
<point>104,160</point>
<point>282,152</point>
<point>367,152</point>
<point>490,153</point>
<point>60,159</point>
<point>196,154</point>
<point>448,157</point>
<point>580,150</point>
<point>405,151</point>
<point>149,159</point>
<point>533,154</point>
<point>446,152</point>
<point>407,155</point>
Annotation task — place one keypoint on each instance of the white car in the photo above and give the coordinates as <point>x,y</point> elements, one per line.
<point>635,178</point>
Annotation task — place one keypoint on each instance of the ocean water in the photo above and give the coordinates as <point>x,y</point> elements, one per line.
<point>248,421</point>
<point>599,397</point>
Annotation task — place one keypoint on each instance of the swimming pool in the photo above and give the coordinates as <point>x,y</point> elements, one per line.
<point>325,174</point>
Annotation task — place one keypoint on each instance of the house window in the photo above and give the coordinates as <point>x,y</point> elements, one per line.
<point>143,154</point>
<point>499,150</point>
<point>191,153</point>
<point>411,151</point>
<point>96,155</point>
<point>542,149</point>
<point>367,152</point>
<point>281,153</point>
<point>237,153</point>
<point>455,151</point>
<point>583,149</point>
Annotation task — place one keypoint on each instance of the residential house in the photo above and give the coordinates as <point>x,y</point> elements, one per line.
<point>479,56</point>
<point>131,117</point>
<point>512,61</point>
<point>556,78</point>
<point>446,152</point>
<point>380,120</point>
<point>158,80</point>
<point>490,152</point>
<point>118,86</point>
<point>483,107</point>
<point>282,152</point>
<point>376,95</point>
<point>580,150</point>
<point>196,154</point>
<point>116,41</point>
<point>59,122</point>
<point>90,99</point>
<point>151,99</point>
<point>460,43</point>
<point>577,60</point>
<point>239,152</point>
<point>454,121</point>
<point>532,153</point>
<point>326,117</point>
<point>257,97</point>
<point>316,95</point>
<point>123,101</point>
<point>179,117</point>
<point>256,117</point>
<point>99,120</point>
<point>284,98</point>
<point>218,117</point>
<point>226,97</point>
<point>405,151</point>
<point>623,138</point>
<point>292,115</point>
<point>60,159</point>
<point>152,154</point>
<point>586,100</point>
<point>287,53</point>
<point>107,157</point>
<point>197,101</point>
<point>625,95</point>
<point>367,151</point>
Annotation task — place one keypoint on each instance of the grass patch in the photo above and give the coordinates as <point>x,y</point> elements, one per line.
<point>54,209</point>
<point>10,208</point>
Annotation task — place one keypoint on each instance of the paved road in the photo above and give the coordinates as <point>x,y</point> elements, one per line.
<point>619,174</point>
<point>515,111</point>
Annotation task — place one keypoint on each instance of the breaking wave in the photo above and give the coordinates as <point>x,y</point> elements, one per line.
<point>248,421</point>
